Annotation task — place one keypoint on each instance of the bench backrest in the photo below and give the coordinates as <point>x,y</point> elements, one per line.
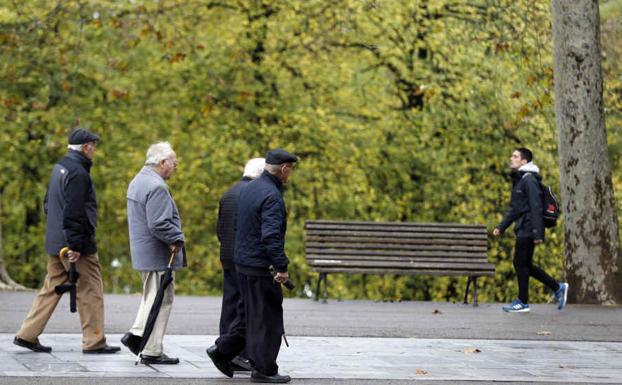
<point>397,248</point>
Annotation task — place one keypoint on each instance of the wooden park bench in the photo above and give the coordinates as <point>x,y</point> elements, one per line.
<point>397,248</point>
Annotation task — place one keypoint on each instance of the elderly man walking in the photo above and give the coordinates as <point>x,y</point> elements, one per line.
<point>71,209</point>
<point>225,229</point>
<point>259,244</point>
<point>155,233</point>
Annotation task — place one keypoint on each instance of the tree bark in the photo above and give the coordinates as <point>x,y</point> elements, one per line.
<point>593,261</point>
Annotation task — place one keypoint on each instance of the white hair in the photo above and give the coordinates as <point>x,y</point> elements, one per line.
<point>254,167</point>
<point>158,152</point>
<point>75,147</point>
<point>273,168</point>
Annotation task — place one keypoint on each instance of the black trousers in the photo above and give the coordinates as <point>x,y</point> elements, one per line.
<point>523,256</point>
<point>258,328</point>
<point>230,298</point>
<point>232,305</point>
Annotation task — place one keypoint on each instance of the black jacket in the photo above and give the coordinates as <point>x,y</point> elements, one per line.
<point>261,225</point>
<point>525,206</point>
<point>71,206</point>
<point>225,227</point>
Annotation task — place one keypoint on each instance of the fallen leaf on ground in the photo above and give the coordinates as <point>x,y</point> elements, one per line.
<point>421,372</point>
<point>473,350</point>
<point>436,311</point>
<point>544,333</point>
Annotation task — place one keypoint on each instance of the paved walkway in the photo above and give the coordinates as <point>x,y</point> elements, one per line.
<point>344,343</point>
<point>343,358</point>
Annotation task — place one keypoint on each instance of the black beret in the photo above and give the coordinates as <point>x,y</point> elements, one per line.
<point>280,156</point>
<point>81,136</point>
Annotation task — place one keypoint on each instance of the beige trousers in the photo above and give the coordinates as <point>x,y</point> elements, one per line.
<point>89,300</point>
<point>151,283</point>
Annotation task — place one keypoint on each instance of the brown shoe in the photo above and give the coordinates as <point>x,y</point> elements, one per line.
<point>34,346</point>
<point>106,349</point>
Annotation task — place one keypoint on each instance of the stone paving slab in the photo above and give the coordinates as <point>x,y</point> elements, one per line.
<point>341,358</point>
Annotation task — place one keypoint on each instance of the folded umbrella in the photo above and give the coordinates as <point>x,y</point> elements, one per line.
<point>70,285</point>
<point>166,280</point>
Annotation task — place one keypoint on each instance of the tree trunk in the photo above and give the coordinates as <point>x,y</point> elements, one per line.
<point>593,261</point>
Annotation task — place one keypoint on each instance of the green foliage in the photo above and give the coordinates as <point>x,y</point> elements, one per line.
<point>402,111</point>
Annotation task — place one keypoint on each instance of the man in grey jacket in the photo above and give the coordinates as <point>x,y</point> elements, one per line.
<point>155,232</point>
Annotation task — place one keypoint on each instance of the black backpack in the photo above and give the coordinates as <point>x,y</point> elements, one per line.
<point>550,207</point>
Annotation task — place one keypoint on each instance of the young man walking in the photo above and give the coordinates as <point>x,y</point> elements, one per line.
<point>526,210</point>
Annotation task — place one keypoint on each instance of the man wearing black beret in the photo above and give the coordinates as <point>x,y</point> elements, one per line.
<point>71,209</point>
<point>259,243</point>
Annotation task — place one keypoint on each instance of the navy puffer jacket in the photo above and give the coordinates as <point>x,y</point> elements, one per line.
<point>261,225</point>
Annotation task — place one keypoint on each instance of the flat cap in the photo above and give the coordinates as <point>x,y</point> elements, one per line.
<point>280,156</point>
<point>81,136</point>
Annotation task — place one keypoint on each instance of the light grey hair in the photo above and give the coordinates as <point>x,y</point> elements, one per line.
<point>75,147</point>
<point>158,152</point>
<point>273,168</point>
<point>254,167</point>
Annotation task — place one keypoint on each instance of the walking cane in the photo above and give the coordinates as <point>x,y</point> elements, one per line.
<point>69,286</point>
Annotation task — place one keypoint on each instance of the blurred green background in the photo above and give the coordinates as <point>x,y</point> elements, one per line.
<point>399,111</point>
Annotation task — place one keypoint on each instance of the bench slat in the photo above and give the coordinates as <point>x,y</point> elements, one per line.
<point>440,235</point>
<point>401,264</point>
<point>394,229</point>
<point>395,253</point>
<point>475,273</point>
<point>312,259</point>
<point>390,240</point>
<point>394,224</point>
<point>481,258</point>
<point>392,246</point>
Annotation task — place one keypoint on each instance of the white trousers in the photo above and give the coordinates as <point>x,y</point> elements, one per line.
<point>151,283</point>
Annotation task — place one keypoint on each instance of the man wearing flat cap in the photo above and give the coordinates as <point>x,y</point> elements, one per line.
<point>71,209</point>
<point>261,224</point>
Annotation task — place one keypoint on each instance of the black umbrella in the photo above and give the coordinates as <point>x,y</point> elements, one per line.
<point>166,280</point>
<point>72,279</point>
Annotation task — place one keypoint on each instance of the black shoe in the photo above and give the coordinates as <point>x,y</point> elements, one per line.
<point>132,342</point>
<point>106,349</point>
<point>162,359</point>
<point>240,364</point>
<point>274,379</point>
<point>34,346</point>
<point>219,361</point>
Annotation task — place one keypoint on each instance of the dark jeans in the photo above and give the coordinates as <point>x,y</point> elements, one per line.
<point>523,256</point>
<point>258,328</point>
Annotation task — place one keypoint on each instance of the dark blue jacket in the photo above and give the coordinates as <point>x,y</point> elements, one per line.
<point>71,206</point>
<point>525,206</point>
<point>225,227</point>
<point>261,225</point>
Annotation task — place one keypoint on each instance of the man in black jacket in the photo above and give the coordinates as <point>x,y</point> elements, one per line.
<point>71,209</point>
<point>261,225</point>
<point>225,229</point>
<point>526,210</point>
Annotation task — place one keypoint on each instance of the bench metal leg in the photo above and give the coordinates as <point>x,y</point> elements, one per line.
<point>321,278</point>
<point>474,291</point>
<point>466,292</point>
<point>317,288</point>
<point>325,300</point>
